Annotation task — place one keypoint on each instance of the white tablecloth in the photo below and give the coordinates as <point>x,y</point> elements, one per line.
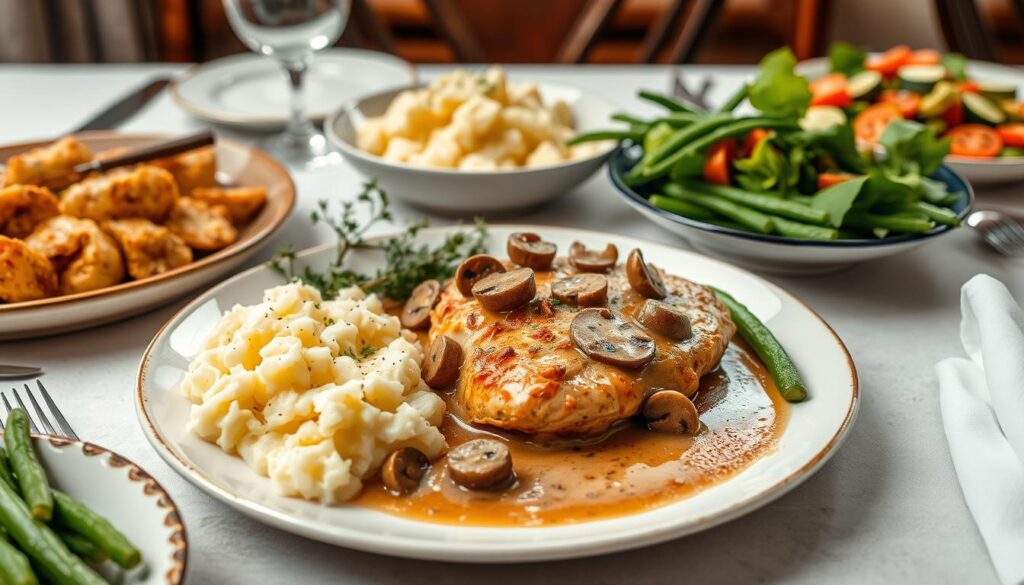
<point>886,509</point>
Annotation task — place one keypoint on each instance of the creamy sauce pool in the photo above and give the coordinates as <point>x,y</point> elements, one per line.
<point>629,470</point>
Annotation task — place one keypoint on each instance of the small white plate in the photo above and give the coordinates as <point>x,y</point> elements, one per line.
<point>460,192</point>
<point>249,90</point>
<point>816,427</point>
<point>977,171</point>
<point>129,498</point>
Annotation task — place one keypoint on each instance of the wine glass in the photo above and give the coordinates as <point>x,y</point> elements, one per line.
<point>291,31</point>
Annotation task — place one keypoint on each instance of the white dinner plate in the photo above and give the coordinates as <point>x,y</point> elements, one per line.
<point>815,430</point>
<point>978,171</point>
<point>250,91</point>
<point>129,498</point>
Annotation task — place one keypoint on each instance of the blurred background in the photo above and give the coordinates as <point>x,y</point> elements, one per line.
<point>525,31</point>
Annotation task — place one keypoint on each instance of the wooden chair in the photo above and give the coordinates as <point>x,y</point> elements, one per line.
<point>965,29</point>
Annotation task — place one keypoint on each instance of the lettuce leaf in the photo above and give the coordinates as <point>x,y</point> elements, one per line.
<point>838,199</point>
<point>912,148</point>
<point>846,58</point>
<point>778,90</point>
<point>956,64</point>
<point>764,170</point>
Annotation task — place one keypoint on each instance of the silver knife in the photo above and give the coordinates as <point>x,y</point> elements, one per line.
<point>18,371</point>
<point>125,108</point>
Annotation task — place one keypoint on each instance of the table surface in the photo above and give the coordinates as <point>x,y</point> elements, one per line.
<point>887,508</point>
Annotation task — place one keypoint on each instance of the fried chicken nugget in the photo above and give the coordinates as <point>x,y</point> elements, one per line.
<point>192,169</point>
<point>148,249</point>
<point>142,191</point>
<point>84,256</point>
<point>201,225</point>
<point>25,275</point>
<point>48,166</point>
<point>23,207</point>
<point>242,202</point>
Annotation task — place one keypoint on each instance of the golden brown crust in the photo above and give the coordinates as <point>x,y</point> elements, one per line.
<point>48,166</point>
<point>142,191</point>
<point>25,274</point>
<point>84,256</point>
<point>241,202</point>
<point>23,207</point>
<point>148,249</point>
<point>192,169</point>
<point>202,226</point>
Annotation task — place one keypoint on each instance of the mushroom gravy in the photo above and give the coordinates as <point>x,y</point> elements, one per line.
<point>627,470</point>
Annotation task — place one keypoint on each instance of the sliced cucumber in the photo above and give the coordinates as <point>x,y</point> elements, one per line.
<point>1012,109</point>
<point>920,78</point>
<point>822,117</point>
<point>865,85</point>
<point>996,91</point>
<point>981,110</point>
<point>938,100</point>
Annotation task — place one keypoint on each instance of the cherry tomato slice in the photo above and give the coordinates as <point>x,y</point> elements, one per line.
<point>753,139</point>
<point>1012,134</point>
<point>889,62</point>
<point>907,101</point>
<point>869,125</point>
<point>924,57</point>
<point>830,90</point>
<point>826,180</point>
<point>975,141</point>
<point>719,161</point>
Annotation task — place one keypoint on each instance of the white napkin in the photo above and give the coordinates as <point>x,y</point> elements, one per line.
<point>982,402</point>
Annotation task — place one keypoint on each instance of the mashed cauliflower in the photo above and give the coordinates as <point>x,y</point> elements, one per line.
<point>313,394</point>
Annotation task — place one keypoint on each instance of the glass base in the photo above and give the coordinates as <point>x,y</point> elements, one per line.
<point>308,152</point>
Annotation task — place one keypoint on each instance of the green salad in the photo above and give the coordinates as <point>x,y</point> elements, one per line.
<point>788,169</point>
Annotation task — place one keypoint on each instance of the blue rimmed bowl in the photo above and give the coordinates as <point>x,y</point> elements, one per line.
<point>778,254</point>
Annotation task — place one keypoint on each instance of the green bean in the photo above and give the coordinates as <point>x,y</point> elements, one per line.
<point>34,487</point>
<point>679,140</point>
<point>14,566</point>
<point>605,135</point>
<point>681,119</point>
<point>728,130</point>
<point>803,231</point>
<point>940,215</point>
<point>754,220</point>
<point>735,99</point>
<point>665,101</point>
<point>83,547</point>
<point>904,224</point>
<point>682,208</point>
<point>5,469</point>
<point>782,369</point>
<point>80,519</point>
<point>760,202</point>
<point>630,119</point>
<point>48,554</point>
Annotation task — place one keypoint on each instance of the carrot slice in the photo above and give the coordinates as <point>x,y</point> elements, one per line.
<point>872,122</point>
<point>907,101</point>
<point>924,57</point>
<point>753,139</point>
<point>830,90</point>
<point>889,62</point>
<point>1012,134</point>
<point>975,141</point>
<point>968,86</point>
<point>828,179</point>
<point>719,161</point>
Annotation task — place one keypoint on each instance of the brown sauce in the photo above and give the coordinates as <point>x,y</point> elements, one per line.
<point>628,470</point>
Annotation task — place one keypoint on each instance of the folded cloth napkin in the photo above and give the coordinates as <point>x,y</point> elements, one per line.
<point>982,402</point>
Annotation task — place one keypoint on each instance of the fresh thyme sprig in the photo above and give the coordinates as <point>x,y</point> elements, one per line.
<point>406,264</point>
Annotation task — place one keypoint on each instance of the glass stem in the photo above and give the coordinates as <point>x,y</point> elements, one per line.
<point>299,127</point>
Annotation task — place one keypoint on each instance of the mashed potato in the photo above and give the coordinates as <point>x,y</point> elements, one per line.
<point>313,394</point>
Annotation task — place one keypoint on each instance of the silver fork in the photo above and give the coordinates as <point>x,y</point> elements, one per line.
<point>40,414</point>
<point>698,98</point>
<point>1003,232</point>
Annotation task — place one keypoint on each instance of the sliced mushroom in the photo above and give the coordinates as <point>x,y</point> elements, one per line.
<point>607,338</point>
<point>527,249</point>
<point>592,260</point>
<point>504,291</point>
<point>669,411</point>
<point>443,362</point>
<point>643,278</point>
<point>480,464</point>
<point>473,269</point>
<point>665,319</point>
<point>582,290</point>
<point>403,470</point>
<point>416,313</point>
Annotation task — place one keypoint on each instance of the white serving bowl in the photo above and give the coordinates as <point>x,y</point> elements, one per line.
<point>460,192</point>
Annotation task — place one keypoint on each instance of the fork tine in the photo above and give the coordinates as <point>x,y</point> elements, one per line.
<point>997,240</point>
<point>43,419</point>
<point>61,421</point>
<point>31,420</point>
<point>7,405</point>
<point>1015,230</point>
<point>1012,239</point>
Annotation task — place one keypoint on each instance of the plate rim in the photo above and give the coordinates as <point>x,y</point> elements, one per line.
<point>538,550</point>
<point>218,257</point>
<point>223,116</point>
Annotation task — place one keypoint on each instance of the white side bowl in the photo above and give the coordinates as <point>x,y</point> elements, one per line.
<point>452,191</point>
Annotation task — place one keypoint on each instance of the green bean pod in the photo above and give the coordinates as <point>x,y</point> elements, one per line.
<point>5,469</point>
<point>753,220</point>
<point>735,99</point>
<point>940,215</point>
<point>904,224</point>
<point>782,369</point>
<point>14,566</point>
<point>32,482</point>
<point>679,140</point>
<point>803,231</point>
<point>597,135</point>
<point>81,520</point>
<point>83,547</point>
<point>680,207</point>
<point>766,203</point>
<point>665,102</point>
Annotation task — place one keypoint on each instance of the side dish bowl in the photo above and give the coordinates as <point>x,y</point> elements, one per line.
<point>773,253</point>
<point>454,191</point>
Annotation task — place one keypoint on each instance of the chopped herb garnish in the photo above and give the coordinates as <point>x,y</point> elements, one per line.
<point>406,264</point>
<point>367,351</point>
